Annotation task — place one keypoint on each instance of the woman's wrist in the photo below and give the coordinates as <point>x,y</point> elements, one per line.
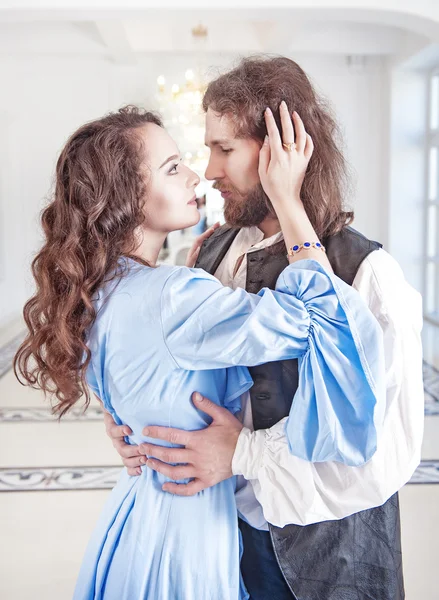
<point>295,224</point>
<point>292,211</point>
<point>286,202</point>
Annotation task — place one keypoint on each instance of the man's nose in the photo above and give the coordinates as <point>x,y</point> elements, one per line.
<point>213,170</point>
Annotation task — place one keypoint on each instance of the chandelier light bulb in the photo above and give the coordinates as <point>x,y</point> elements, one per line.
<point>180,105</point>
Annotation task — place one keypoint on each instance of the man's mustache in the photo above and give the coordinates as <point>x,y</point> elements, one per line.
<point>224,188</point>
<point>218,186</point>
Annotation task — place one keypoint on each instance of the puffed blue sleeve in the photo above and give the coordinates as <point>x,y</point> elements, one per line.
<point>312,315</point>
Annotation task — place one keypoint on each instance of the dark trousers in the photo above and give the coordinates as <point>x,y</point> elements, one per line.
<point>260,571</point>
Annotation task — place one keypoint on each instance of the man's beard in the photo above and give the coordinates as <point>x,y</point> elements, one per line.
<point>248,210</point>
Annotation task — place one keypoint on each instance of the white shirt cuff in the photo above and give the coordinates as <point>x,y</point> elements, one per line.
<point>249,451</point>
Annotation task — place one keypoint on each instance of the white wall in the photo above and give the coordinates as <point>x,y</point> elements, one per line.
<point>358,95</point>
<point>407,179</point>
<point>43,99</point>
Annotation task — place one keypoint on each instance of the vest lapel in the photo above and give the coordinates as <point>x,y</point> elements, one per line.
<point>215,248</point>
<point>347,250</point>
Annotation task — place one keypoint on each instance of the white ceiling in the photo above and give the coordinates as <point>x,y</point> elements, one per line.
<point>121,35</point>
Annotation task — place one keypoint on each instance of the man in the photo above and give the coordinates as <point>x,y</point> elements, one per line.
<point>321,531</point>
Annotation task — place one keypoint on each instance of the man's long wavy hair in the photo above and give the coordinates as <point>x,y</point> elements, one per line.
<point>257,82</point>
<point>91,221</point>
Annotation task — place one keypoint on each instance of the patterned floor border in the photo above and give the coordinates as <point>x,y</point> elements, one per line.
<point>41,415</point>
<point>427,472</point>
<point>431,389</point>
<point>47,479</point>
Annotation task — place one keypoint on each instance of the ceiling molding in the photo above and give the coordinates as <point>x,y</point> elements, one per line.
<point>115,39</point>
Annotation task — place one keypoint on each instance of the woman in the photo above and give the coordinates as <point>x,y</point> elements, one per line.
<point>145,338</point>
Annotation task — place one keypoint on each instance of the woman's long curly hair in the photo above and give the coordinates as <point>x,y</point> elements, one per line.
<point>260,81</point>
<point>91,221</point>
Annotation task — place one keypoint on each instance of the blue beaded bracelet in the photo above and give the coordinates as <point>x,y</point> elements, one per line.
<point>305,246</point>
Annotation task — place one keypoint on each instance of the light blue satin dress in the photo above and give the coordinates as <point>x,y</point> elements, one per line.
<point>162,334</point>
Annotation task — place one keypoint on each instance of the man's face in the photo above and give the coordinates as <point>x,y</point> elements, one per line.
<point>233,164</point>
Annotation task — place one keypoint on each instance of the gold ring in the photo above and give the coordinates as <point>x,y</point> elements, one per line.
<point>289,146</point>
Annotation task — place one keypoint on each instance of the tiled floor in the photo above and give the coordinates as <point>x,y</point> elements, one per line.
<point>63,473</point>
<point>430,339</point>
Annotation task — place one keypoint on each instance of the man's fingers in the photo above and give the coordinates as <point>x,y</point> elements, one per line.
<point>218,413</point>
<point>134,472</point>
<point>108,421</point>
<point>118,431</point>
<point>132,463</point>
<point>165,454</point>
<point>168,434</point>
<point>173,472</point>
<point>126,450</point>
<point>184,489</point>
<point>114,430</point>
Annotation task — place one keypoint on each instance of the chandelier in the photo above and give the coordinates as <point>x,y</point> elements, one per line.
<point>180,104</point>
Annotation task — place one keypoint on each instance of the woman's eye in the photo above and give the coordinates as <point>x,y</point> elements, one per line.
<point>173,169</point>
<point>226,150</point>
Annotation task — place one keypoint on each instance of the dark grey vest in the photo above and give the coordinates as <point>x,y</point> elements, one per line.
<point>356,558</point>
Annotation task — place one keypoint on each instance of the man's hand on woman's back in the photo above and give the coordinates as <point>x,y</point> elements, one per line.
<point>205,456</point>
<point>131,457</point>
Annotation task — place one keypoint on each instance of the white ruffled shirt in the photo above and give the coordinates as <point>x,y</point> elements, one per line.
<point>275,486</point>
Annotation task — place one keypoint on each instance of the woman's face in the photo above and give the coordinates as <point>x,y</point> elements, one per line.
<point>170,203</point>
